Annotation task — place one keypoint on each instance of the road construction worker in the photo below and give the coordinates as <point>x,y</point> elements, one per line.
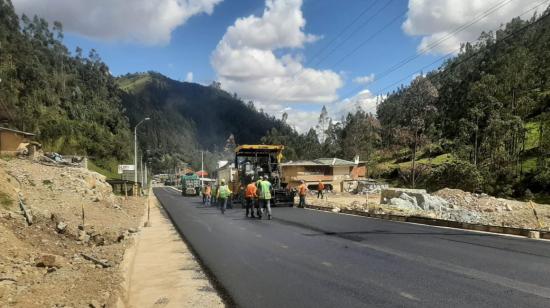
<point>250,195</point>
<point>203,193</point>
<point>265,197</point>
<point>214,194</point>
<point>208,194</point>
<point>320,189</point>
<point>302,191</point>
<point>223,194</point>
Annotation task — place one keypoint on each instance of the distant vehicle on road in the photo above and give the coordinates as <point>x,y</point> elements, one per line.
<point>169,183</point>
<point>190,184</point>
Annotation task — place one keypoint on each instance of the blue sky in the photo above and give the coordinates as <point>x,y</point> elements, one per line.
<point>275,52</point>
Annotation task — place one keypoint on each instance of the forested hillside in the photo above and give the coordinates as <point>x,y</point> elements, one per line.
<point>489,107</point>
<point>70,101</point>
<point>187,117</point>
<point>75,106</point>
<point>479,122</point>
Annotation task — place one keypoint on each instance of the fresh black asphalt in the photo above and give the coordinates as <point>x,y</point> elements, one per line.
<point>306,258</point>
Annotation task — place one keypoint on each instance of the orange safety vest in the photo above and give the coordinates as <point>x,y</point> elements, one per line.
<point>251,191</point>
<point>302,189</point>
<point>208,191</point>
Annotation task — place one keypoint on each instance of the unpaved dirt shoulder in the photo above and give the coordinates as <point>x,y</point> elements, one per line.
<point>161,270</point>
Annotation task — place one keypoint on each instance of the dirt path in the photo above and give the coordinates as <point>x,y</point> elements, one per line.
<point>162,272</point>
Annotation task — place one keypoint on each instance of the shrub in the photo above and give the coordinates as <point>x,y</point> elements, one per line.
<point>456,174</point>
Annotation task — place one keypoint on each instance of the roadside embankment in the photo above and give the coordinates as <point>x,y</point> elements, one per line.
<point>70,255</point>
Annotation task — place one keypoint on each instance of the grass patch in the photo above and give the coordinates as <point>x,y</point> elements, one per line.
<point>107,173</point>
<point>532,134</point>
<point>434,162</point>
<point>542,199</point>
<point>5,201</point>
<point>131,84</point>
<point>530,164</point>
<point>7,157</point>
<point>438,160</point>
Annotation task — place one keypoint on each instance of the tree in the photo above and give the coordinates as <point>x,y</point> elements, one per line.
<point>322,124</point>
<point>360,135</point>
<point>419,104</point>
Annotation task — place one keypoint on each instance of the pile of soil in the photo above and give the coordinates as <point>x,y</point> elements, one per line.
<point>51,262</point>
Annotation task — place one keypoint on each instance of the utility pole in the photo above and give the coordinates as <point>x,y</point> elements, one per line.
<point>135,148</point>
<point>141,168</point>
<point>145,175</point>
<point>202,168</point>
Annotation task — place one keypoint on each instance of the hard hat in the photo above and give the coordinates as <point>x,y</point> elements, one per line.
<point>266,177</point>
<point>223,181</point>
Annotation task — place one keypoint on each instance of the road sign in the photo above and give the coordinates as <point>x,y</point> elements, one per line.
<point>122,168</point>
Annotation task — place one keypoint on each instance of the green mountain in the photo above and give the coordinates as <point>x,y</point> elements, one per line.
<point>75,106</point>
<point>70,101</point>
<point>186,117</point>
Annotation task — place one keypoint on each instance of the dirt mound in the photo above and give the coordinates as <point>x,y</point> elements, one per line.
<point>476,202</point>
<point>462,206</point>
<point>45,264</point>
<point>498,211</point>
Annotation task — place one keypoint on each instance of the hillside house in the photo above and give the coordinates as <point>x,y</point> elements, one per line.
<point>332,171</point>
<point>360,171</point>
<point>226,171</point>
<point>13,141</point>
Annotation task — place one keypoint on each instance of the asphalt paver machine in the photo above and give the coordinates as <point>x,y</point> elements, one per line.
<point>255,161</point>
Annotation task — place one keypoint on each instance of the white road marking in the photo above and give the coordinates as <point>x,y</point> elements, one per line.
<point>409,296</point>
<point>325,263</point>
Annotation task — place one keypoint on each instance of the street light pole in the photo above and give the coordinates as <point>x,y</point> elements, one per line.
<point>135,148</point>
<point>202,169</point>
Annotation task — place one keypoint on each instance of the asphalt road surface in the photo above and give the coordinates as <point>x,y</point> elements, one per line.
<point>306,258</point>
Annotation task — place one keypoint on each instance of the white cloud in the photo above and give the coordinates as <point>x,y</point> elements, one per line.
<point>364,79</point>
<point>189,77</point>
<point>435,20</point>
<point>246,63</point>
<point>302,120</point>
<point>363,100</point>
<point>142,21</point>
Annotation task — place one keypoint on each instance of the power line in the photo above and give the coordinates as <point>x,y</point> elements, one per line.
<point>355,31</point>
<point>454,65</point>
<point>449,54</point>
<point>335,38</point>
<point>370,38</point>
<point>440,41</point>
<point>279,89</point>
<point>431,46</point>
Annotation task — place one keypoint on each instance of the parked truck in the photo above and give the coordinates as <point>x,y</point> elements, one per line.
<point>190,184</point>
<point>255,161</point>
